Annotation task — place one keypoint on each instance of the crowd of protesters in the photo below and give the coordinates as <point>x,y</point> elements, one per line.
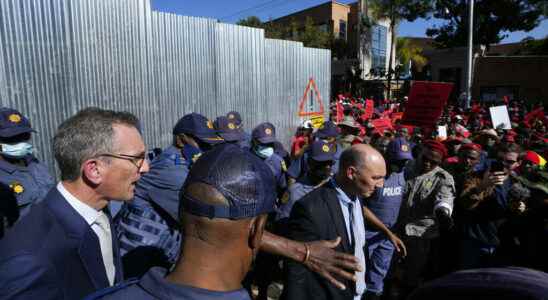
<point>355,209</point>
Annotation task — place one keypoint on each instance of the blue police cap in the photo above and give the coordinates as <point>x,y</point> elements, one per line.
<point>264,133</point>
<point>12,123</point>
<point>234,116</point>
<point>399,149</point>
<point>246,182</point>
<point>322,151</point>
<point>198,126</point>
<point>327,130</point>
<point>228,129</point>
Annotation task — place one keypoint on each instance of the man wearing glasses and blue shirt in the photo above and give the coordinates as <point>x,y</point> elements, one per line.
<point>66,247</point>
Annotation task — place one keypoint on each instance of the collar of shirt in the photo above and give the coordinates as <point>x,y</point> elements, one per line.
<point>343,197</point>
<point>87,212</point>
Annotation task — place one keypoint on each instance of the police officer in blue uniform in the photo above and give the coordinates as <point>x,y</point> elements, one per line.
<point>320,162</point>
<point>385,204</point>
<point>224,202</point>
<point>262,145</point>
<point>229,130</point>
<point>20,170</point>
<point>148,225</point>
<point>328,132</point>
<point>235,117</point>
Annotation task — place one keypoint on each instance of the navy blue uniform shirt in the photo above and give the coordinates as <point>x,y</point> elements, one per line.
<point>30,183</point>
<point>153,285</point>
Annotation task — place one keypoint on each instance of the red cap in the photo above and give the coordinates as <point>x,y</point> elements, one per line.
<point>470,146</point>
<point>436,147</point>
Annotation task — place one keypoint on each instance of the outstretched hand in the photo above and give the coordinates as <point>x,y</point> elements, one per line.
<point>398,244</point>
<point>327,262</point>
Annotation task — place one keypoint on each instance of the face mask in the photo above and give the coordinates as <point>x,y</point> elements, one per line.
<point>17,150</point>
<point>264,151</point>
<point>490,143</point>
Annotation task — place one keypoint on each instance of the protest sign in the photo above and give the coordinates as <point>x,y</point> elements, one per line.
<point>396,116</point>
<point>426,102</point>
<point>369,109</point>
<point>499,117</point>
<point>442,132</point>
<point>382,124</point>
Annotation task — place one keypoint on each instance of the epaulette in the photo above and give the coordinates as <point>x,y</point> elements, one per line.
<point>100,293</point>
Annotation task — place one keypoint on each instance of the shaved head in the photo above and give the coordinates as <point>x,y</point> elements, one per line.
<point>361,155</point>
<point>362,170</point>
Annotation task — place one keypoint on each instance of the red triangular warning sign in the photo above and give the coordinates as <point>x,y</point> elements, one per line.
<point>318,98</point>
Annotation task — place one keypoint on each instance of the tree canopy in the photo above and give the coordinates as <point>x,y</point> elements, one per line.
<point>492,20</point>
<point>307,33</point>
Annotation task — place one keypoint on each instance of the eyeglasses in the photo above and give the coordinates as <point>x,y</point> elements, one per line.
<point>510,162</point>
<point>136,160</point>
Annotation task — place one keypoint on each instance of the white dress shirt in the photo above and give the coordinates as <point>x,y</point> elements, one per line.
<point>96,219</point>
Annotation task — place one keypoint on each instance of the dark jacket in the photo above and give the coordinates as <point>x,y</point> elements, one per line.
<point>52,253</point>
<point>317,216</point>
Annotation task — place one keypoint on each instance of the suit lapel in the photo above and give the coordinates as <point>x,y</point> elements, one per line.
<point>80,234</point>
<point>338,218</point>
<point>90,254</point>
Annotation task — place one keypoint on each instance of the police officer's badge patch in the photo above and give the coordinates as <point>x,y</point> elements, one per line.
<point>17,188</point>
<point>231,126</point>
<point>209,124</point>
<point>14,118</point>
<point>268,131</point>
<point>404,148</point>
<point>428,184</point>
<point>325,148</point>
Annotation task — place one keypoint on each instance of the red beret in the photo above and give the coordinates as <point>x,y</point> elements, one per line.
<point>470,146</point>
<point>436,147</point>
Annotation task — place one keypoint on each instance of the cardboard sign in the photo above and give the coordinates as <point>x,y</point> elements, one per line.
<point>382,124</point>
<point>499,116</point>
<point>369,109</point>
<point>317,121</point>
<point>313,89</point>
<point>426,103</point>
<point>442,132</point>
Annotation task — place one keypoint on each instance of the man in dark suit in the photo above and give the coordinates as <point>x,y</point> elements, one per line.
<point>335,210</point>
<point>65,248</point>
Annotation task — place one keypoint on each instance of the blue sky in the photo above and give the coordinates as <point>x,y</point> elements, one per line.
<point>231,11</point>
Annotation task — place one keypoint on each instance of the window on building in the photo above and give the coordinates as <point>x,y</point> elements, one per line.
<point>378,48</point>
<point>342,29</point>
<point>323,27</point>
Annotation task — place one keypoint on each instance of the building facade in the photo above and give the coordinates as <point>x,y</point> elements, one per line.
<point>342,21</point>
<point>502,70</point>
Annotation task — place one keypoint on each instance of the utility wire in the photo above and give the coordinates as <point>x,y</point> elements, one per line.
<point>256,8</point>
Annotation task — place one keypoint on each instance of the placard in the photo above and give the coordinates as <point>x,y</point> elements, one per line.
<point>499,116</point>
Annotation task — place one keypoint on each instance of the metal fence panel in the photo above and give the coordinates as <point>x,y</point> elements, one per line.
<point>59,56</point>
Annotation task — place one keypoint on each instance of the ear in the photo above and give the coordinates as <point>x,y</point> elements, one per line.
<point>350,172</point>
<point>256,232</point>
<point>92,171</point>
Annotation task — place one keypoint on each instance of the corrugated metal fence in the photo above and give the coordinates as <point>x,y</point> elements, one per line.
<point>58,56</point>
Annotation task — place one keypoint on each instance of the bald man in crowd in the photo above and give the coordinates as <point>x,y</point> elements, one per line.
<point>332,210</point>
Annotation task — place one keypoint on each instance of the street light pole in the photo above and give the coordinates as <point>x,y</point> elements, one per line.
<point>470,52</point>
